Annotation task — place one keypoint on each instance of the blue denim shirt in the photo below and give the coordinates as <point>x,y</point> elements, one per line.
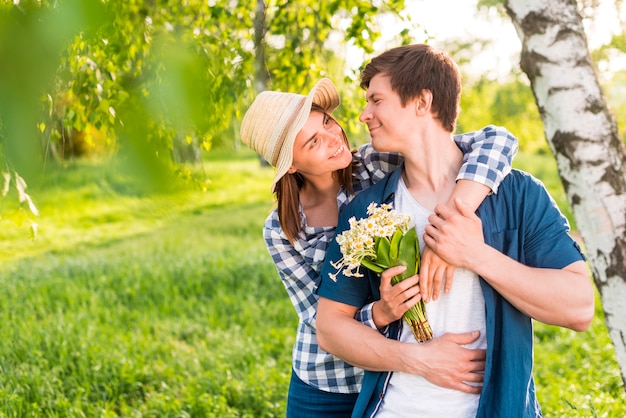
<point>523,222</point>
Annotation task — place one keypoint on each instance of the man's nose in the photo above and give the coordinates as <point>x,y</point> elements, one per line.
<point>365,114</point>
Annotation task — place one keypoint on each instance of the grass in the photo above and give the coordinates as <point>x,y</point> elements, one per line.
<point>141,305</point>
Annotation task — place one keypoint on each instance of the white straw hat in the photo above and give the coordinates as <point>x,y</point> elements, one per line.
<point>274,119</point>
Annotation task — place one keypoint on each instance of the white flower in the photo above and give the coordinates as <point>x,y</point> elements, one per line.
<point>358,241</point>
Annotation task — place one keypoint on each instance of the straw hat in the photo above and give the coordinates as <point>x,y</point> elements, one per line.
<point>274,119</point>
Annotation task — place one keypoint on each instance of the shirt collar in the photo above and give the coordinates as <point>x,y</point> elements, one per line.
<point>392,184</point>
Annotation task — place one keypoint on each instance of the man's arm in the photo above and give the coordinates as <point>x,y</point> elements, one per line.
<point>442,361</point>
<point>562,297</point>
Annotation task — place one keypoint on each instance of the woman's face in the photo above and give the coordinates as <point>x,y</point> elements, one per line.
<point>320,147</point>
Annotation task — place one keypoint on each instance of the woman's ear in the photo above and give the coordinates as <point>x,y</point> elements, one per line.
<point>291,170</point>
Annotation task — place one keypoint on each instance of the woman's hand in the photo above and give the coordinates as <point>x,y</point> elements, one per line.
<point>455,235</point>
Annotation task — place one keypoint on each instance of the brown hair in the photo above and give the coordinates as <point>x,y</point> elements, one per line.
<point>413,68</point>
<point>288,192</point>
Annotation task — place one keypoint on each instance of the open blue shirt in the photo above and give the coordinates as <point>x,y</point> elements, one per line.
<point>521,221</point>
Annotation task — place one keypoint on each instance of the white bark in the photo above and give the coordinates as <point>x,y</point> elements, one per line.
<point>583,136</point>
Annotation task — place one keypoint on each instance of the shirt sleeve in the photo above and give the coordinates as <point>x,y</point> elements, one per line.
<point>298,276</point>
<point>365,315</point>
<point>377,164</point>
<point>547,241</point>
<point>488,155</point>
<point>335,285</point>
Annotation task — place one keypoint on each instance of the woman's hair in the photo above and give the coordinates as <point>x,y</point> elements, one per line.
<point>413,68</point>
<point>288,192</point>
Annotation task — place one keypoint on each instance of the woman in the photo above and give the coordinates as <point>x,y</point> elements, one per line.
<point>316,176</point>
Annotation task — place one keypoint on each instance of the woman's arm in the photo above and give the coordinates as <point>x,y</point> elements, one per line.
<point>487,157</point>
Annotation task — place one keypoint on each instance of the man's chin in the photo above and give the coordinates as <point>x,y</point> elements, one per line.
<point>378,145</point>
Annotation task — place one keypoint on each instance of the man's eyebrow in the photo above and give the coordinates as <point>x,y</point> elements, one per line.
<point>371,96</point>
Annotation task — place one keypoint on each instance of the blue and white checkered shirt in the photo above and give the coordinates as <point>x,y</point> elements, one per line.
<point>488,154</point>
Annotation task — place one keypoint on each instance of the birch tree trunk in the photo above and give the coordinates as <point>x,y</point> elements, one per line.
<point>583,136</point>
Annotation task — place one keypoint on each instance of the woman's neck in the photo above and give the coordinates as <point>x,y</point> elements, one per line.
<point>319,201</point>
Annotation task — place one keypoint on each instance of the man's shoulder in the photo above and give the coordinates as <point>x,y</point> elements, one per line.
<point>520,181</point>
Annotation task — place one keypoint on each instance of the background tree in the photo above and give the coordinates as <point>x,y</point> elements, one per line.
<point>213,56</point>
<point>583,136</point>
<point>297,43</point>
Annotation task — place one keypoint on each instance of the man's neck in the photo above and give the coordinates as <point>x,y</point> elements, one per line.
<point>430,170</point>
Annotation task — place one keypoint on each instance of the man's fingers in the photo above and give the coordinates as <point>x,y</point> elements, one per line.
<point>437,279</point>
<point>387,275</point>
<point>479,370</point>
<point>424,281</point>
<point>442,211</point>
<point>449,279</point>
<point>466,338</point>
<point>475,390</point>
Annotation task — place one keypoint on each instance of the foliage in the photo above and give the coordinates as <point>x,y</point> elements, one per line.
<point>191,63</point>
<point>508,104</point>
<point>301,41</point>
<point>615,92</point>
<point>169,53</point>
<point>612,80</point>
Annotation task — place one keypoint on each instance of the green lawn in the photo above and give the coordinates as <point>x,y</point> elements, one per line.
<point>138,305</point>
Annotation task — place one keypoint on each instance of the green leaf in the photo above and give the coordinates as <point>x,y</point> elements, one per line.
<point>382,251</point>
<point>408,251</point>
<point>372,266</point>
<point>395,242</point>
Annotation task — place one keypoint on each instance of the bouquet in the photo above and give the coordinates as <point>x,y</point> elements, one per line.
<point>379,242</point>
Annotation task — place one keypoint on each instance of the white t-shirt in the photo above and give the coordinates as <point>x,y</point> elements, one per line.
<point>461,310</point>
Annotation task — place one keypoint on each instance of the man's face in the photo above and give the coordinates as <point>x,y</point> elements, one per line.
<point>390,124</point>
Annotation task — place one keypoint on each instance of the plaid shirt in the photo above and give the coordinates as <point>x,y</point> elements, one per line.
<point>488,154</point>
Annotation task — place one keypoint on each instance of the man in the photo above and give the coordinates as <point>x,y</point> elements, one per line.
<point>515,261</point>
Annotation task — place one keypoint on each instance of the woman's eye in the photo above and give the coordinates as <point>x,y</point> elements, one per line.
<point>326,119</point>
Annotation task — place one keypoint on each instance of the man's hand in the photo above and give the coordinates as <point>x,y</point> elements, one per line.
<point>395,300</point>
<point>434,271</point>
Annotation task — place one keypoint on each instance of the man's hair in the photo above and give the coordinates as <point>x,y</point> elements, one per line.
<point>414,68</point>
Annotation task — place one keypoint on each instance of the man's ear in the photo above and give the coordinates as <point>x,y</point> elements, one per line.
<point>423,102</point>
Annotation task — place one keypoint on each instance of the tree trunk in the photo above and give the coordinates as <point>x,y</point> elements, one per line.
<point>261,77</point>
<point>582,134</point>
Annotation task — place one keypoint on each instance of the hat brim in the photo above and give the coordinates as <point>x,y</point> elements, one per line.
<point>324,94</point>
